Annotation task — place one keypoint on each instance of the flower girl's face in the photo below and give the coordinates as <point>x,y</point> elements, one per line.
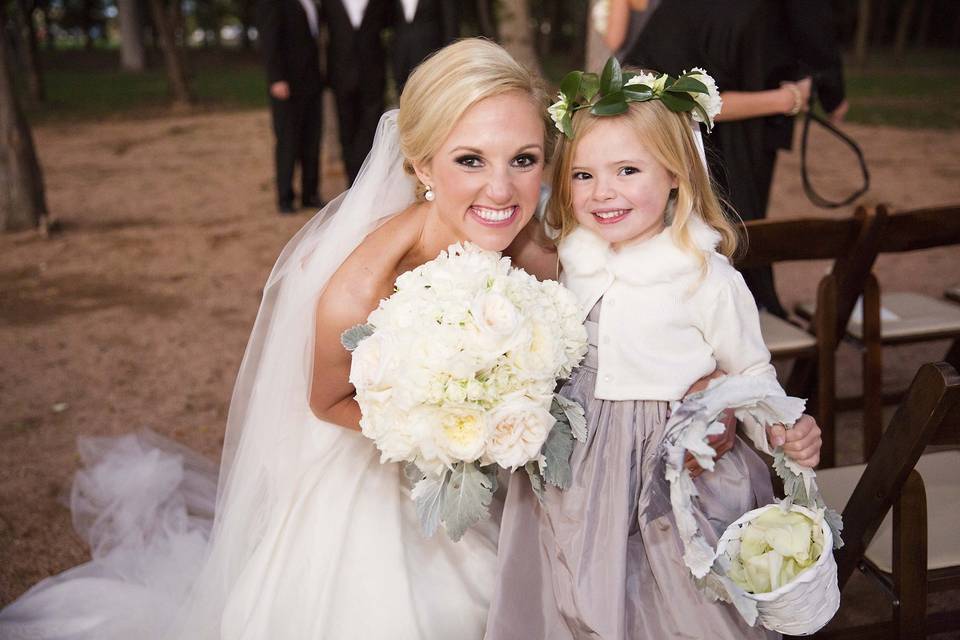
<point>486,175</point>
<point>619,190</point>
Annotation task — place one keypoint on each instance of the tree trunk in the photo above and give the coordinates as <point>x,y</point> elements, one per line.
<point>87,23</point>
<point>905,19</point>
<point>22,201</point>
<point>132,53</point>
<point>516,36</point>
<point>247,20</point>
<point>176,75</point>
<point>863,32</point>
<point>488,24</point>
<point>31,59</point>
<point>923,24</point>
<point>597,50</point>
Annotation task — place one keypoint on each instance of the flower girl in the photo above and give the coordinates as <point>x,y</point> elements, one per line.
<point>644,245</point>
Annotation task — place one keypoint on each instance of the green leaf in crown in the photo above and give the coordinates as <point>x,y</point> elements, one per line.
<point>608,94</point>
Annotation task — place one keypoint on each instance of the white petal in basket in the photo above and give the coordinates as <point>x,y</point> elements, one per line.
<point>800,607</point>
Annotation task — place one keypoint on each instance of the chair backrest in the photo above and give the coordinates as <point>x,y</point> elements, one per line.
<point>918,229</point>
<point>930,414</point>
<point>852,243</point>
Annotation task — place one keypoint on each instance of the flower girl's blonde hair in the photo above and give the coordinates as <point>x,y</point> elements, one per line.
<point>448,83</point>
<point>669,138</point>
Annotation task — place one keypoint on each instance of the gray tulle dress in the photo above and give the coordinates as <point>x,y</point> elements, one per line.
<point>589,562</point>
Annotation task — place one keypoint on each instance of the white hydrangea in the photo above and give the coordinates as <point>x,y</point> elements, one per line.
<point>463,361</point>
<point>711,102</point>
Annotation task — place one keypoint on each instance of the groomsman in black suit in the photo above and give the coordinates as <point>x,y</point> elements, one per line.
<point>288,33</point>
<point>420,27</point>
<point>356,67</point>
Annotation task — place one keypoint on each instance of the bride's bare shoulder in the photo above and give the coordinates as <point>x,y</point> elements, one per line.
<point>368,273</point>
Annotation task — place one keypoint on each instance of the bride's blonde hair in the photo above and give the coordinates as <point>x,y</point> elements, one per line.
<point>669,138</point>
<point>448,83</point>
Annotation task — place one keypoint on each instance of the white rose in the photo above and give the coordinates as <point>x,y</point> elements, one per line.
<point>392,436</point>
<point>372,362</point>
<point>461,434</point>
<point>520,426</point>
<point>495,313</point>
<point>641,78</point>
<point>543,354</point>
<point>557,110</point>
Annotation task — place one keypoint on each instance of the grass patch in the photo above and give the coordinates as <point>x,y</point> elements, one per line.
<point>90,86</point>
<point>920,91</point>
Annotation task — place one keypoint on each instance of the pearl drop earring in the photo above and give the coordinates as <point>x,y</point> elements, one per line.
<point>428,194</point>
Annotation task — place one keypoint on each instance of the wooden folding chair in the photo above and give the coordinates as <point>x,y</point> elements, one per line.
<point>852,244</point>
<point>908,317</point>
<point>952,293</point>
<point>916,550</point>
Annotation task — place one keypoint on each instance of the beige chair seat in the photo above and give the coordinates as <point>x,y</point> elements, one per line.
<point>953,293</point>
<point>783,338</point>
<point>914,315</point>
<point>941,479</point>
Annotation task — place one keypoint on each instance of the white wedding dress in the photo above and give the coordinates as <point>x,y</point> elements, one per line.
<point>312,537</point>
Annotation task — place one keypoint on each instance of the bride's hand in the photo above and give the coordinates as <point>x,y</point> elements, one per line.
<point>802,443</point>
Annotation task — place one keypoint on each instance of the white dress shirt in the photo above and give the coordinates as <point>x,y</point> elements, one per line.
<point>664,324</point>
<point>409,9</point>
<point>355,10</point>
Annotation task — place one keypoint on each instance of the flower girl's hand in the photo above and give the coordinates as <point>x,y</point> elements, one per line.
<point>801,443</point>
<point>721,443</point>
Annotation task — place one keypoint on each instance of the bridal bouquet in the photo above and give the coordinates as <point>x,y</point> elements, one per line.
<point>774,564</point>
<point>455,375</point>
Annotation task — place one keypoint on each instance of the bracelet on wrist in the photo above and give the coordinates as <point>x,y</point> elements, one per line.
<point>797,98</point>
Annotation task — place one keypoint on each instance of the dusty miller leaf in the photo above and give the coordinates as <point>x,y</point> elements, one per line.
<point>428,495</point>
<point>355,335</point>
<point>536,479</point>
<point>574,414</point>
<point>796,493</point>
<point>556,456</point>
<point>412,472</point>
<point>835,522</point>
<point>466,498</point>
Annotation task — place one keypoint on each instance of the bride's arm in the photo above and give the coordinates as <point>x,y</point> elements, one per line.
<point>352,293</point>
<point>331,394</point>
<point>534,252</point>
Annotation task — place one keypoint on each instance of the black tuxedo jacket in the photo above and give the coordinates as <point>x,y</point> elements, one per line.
<point>436,24</point>
<point>290,51</point>
<point>355,56</point>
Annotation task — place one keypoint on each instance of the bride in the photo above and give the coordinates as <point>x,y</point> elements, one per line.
<point>313,537</point>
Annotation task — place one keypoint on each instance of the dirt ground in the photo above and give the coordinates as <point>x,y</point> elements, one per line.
<point>137,313</point>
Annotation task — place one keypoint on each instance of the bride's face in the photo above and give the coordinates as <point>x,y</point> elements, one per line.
<point>486,175</point>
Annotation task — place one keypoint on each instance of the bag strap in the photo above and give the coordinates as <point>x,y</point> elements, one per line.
<point>808,189</point>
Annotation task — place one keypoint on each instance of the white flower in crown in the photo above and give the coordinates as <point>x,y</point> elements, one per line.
<point>710,102</point>
<point>655,82</point>
<point>557,110</point>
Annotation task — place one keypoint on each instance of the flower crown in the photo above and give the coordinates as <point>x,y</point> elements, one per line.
<point>608,95</point>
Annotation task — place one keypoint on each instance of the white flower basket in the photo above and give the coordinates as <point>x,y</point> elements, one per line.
<point>805,604</point>
<point>809,601</point>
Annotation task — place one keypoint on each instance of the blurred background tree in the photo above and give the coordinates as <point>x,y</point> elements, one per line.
<point>22,200</point>
<point>83,59</point>
<point>552,35</point>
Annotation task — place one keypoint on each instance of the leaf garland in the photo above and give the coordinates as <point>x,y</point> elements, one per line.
<point>610,93</point>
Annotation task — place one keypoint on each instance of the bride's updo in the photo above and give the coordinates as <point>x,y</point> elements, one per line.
<point>448,83</point>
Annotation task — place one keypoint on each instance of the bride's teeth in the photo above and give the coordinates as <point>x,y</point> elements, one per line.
<point>494,215</point>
